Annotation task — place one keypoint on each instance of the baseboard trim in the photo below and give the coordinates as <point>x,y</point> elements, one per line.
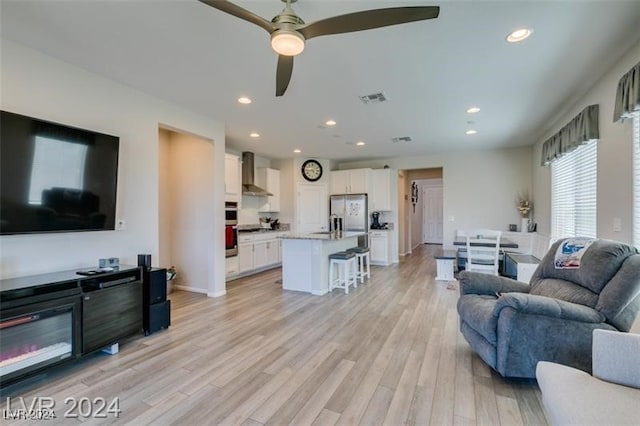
<point>191,289</point>
<point>217,293</point>
<point>319,292</point>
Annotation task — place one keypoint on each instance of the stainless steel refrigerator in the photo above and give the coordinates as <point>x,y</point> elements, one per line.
<point>352,209</point>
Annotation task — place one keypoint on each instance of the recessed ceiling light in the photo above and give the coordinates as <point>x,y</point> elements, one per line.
<point>330,123</point>
<point>244,100</point>
<point>519,35</point>
<point>473,110</point>
<point>360,143</point>
<point>254,135</point>
<point>471,132</point>
<point>296,151</point>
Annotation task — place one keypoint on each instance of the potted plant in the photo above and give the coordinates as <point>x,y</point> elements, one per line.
<point>524,207</point>
<point>171,276</point>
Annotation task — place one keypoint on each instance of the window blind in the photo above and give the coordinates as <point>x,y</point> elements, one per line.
<point>636,180</point>
<point>573,193</point>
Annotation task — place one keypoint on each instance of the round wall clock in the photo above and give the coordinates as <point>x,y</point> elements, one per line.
<point>311,170</point>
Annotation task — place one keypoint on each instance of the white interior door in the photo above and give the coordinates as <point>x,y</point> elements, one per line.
<point>432,218</point>
<point>313,206</point>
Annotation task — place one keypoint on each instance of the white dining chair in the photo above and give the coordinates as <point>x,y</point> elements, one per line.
<point>483,251</point>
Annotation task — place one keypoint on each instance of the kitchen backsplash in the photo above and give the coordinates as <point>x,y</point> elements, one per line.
<point>248,213</point>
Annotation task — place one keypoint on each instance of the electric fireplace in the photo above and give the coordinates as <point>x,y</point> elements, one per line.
<point>38,335</point>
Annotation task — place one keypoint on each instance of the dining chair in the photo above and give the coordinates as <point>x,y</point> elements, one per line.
<point>483,251</point>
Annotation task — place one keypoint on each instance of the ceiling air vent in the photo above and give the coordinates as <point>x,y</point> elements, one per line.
<point>401,139</point>
<point>373,98</point>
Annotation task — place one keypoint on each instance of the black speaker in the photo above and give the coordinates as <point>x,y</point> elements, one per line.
<point>154,289</point>
<point>156,317</point>
<point>144,260</point>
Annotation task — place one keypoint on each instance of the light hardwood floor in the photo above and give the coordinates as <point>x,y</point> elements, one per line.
<point>388,353</point>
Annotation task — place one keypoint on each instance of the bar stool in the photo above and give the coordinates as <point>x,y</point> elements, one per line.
<point>362,256</point>
<point>345,263</point>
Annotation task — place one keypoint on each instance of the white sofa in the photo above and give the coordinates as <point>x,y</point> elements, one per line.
<point>610,397</point>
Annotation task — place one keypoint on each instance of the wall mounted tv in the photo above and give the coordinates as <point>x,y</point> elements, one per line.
<point>55,178</point>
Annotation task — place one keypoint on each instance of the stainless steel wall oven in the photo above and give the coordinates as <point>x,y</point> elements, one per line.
<point>231,228</point>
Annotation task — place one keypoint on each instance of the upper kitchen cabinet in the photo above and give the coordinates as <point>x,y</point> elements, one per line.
<point>356,181</point>
<point>232,178</point>
<point>269,179</point>
<point>380,194</point>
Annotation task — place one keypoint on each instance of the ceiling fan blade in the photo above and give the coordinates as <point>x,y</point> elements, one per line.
<point>240,12</point>
<point>283,74</point>
<point>368,19</point>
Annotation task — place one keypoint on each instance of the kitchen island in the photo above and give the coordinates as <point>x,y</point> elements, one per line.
<point>305,259</point>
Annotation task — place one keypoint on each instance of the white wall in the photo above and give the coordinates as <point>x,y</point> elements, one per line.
<point>165,198</point>
<point>614,158</point>
<point>186,181</point>
<point>480,187</point>
<point>37,85</point>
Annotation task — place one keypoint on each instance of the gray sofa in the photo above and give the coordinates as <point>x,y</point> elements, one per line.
<point>609,397</point>
<point>512,325</point>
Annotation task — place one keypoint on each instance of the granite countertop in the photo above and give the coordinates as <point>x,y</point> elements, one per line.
<point>256,228</point>
<point>325,236</point>
<point>259,231</point>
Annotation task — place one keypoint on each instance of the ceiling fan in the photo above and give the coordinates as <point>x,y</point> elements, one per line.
<point>289,32</point>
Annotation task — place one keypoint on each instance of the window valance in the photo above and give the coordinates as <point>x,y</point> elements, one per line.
<point>580,130</point>
<point>628,94</point>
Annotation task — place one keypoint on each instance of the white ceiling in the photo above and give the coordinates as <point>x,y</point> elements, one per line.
<point>190,54</point>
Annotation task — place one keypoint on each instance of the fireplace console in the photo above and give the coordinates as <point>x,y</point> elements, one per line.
<point>49,319</point>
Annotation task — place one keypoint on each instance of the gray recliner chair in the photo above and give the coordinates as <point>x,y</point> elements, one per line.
<point>512,325</point>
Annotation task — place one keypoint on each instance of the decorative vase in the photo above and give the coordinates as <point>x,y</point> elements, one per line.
<point>524,224</point>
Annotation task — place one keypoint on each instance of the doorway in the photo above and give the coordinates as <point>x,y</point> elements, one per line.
<point>413,220</point>
<point>185,188</point>
<point>432,211</point>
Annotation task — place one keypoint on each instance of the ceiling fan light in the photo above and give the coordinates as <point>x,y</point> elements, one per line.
<point>287,43</point>
<point>519,35</point>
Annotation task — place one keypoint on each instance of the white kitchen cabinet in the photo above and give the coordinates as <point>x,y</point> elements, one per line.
<point>380,194</point>
<point>260,254</point>
<point>313,207</point>
<point>379,247</point>
<point>356,181</point>
<point>257,251</point>
<point>359,181</point>
<point>245,257</point>
<point>232,178</point>
<point>232,266</point>
<point>273,253</point>
<point>269,179</point>
<point>339,182</point>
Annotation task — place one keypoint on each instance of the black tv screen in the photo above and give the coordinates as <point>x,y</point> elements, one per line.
<point>55,178</point>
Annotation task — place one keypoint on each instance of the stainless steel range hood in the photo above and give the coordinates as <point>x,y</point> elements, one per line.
<point>248,176</point>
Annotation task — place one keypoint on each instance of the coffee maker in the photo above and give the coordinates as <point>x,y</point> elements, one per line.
<point>375,220</point>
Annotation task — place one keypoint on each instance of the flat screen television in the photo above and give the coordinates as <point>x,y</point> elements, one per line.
<point>55,178</point>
